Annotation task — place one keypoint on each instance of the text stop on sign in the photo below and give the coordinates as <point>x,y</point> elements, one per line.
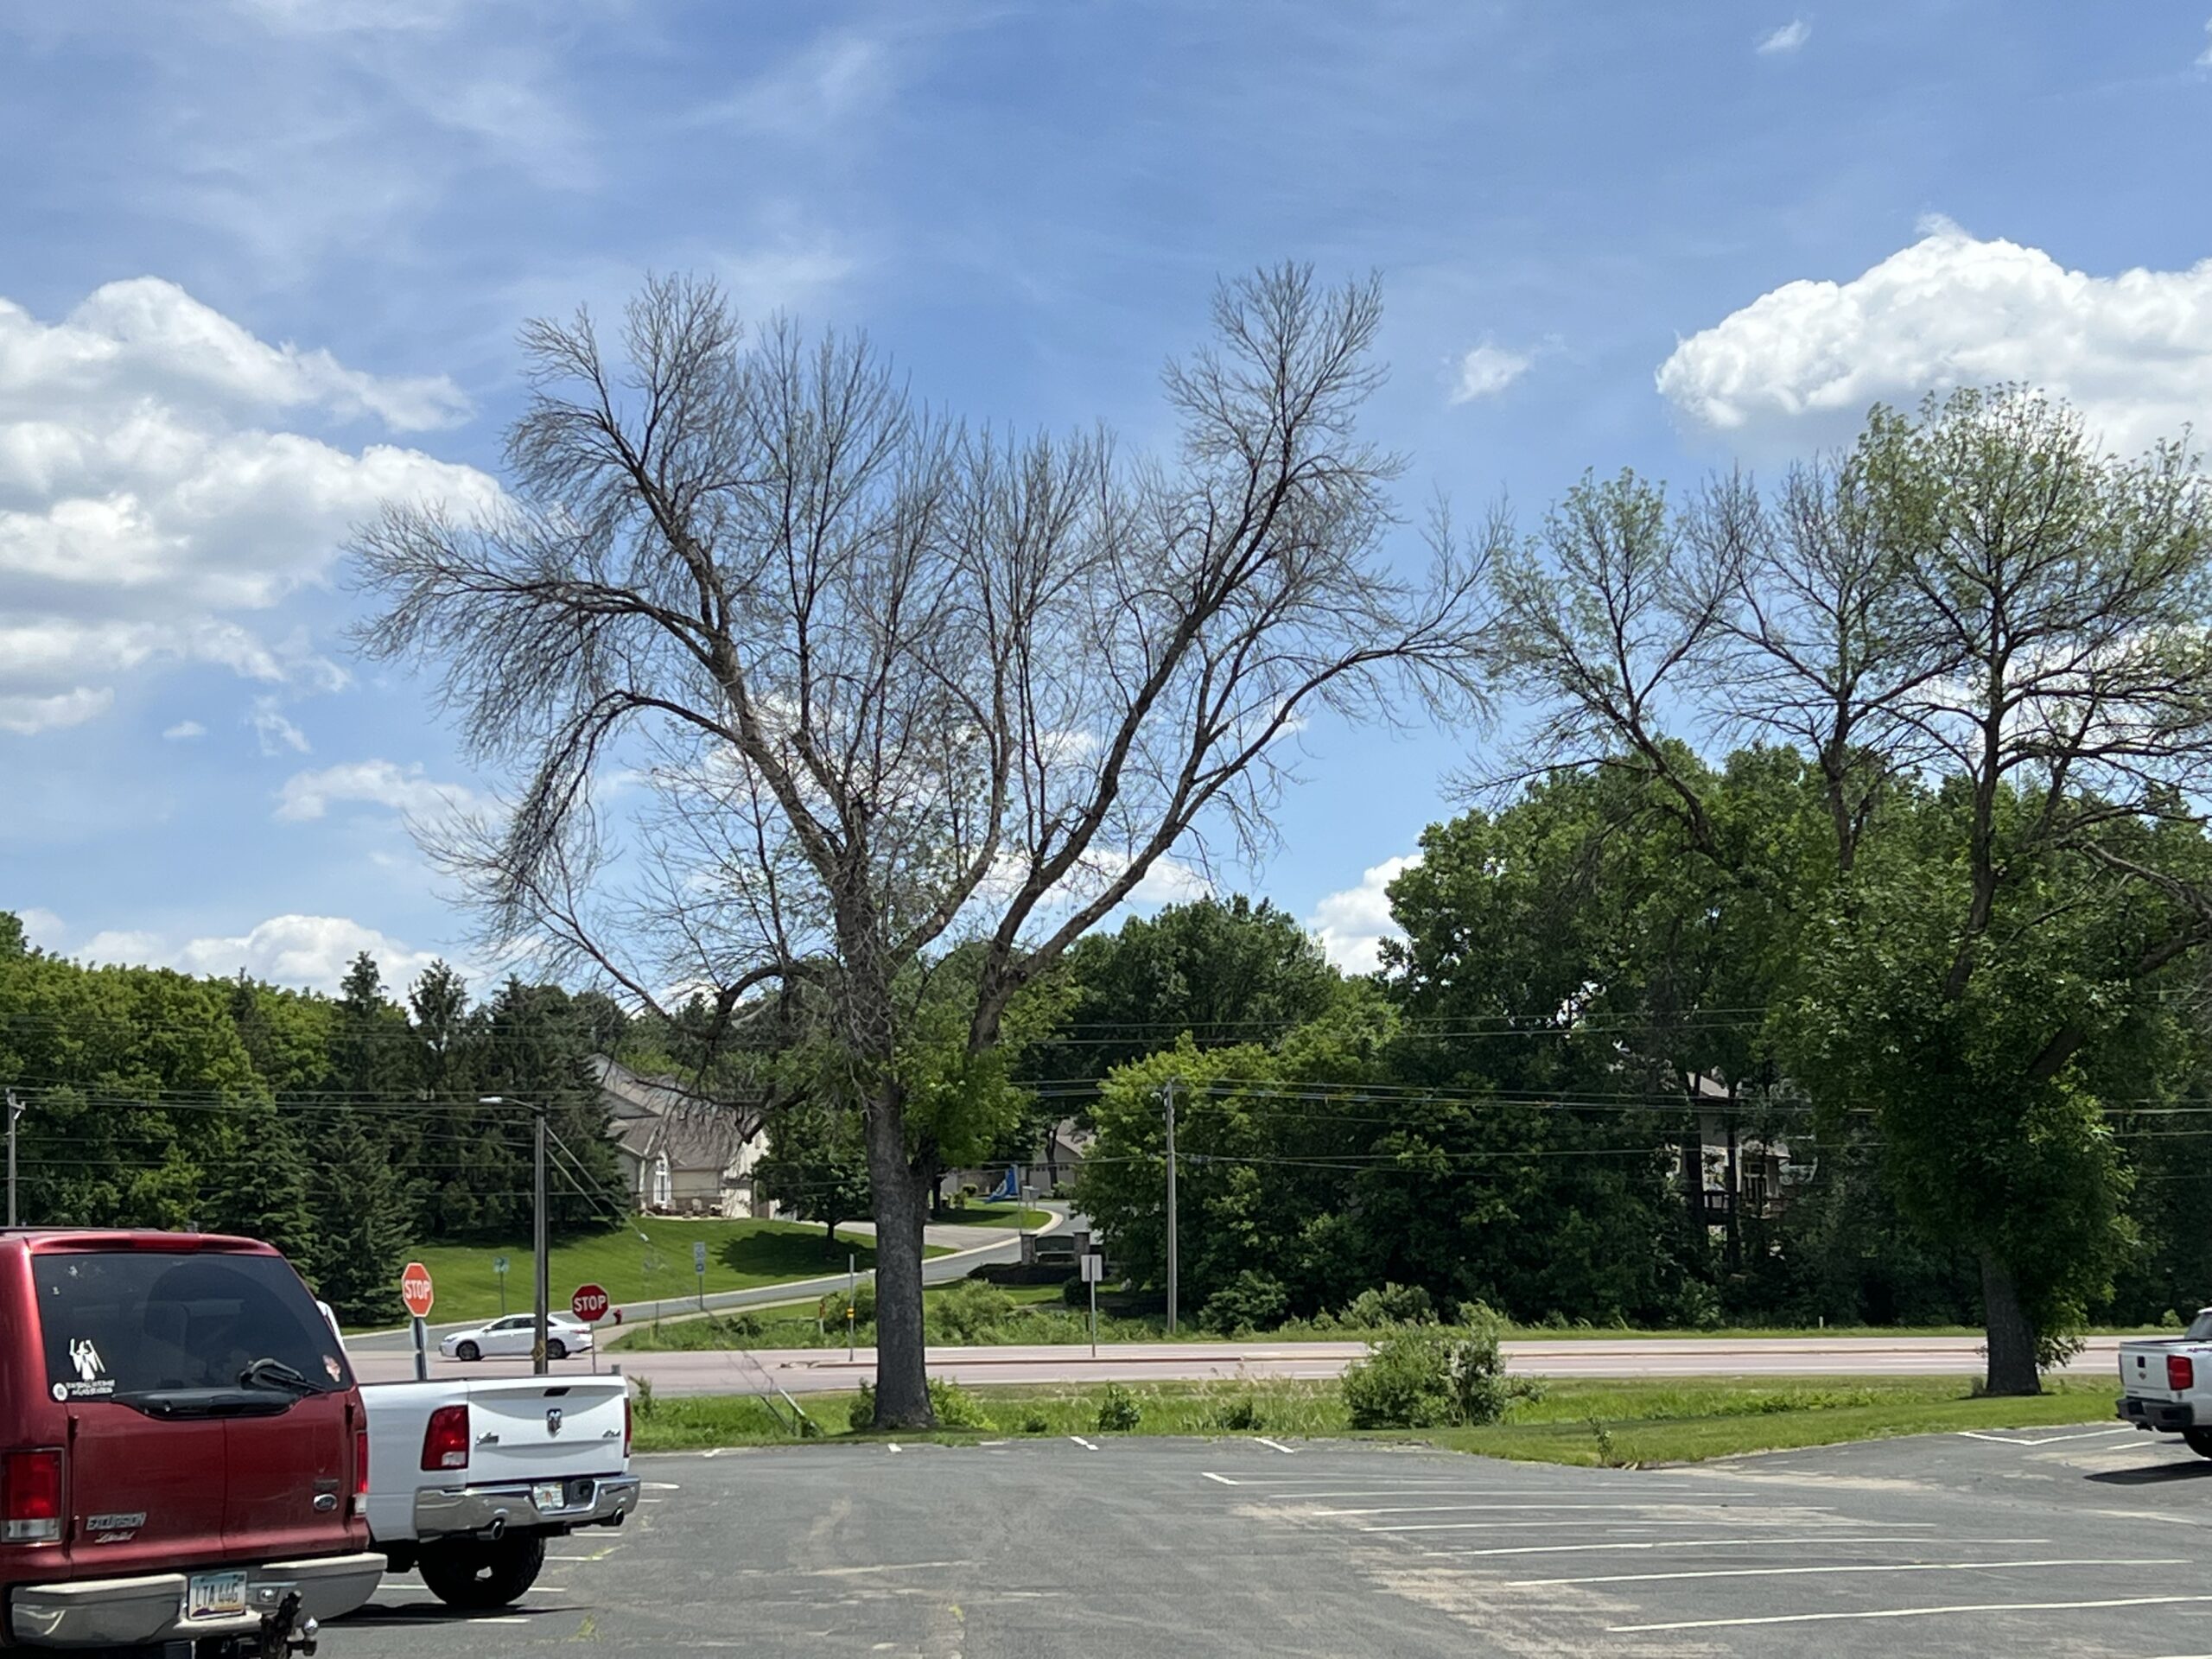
<point>589,1304</point>
<point>415,1289</point>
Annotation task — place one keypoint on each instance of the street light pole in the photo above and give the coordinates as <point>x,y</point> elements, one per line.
<point>541,1260</point>
<point>15,1110</point>
<point>1169,1091</point>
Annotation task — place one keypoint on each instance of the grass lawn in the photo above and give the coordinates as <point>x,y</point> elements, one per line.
<point>995,1214</point>
<point>1670,1420</point>
<point>781,1327</point>
<point>741,1256</point>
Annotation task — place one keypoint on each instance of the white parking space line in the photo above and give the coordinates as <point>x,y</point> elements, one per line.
<point>1802,1571</point>
<point>1223,1479</point>
<point>1277,1445</point>
<point>1818,1541</point>
<point>1084,1444</point>
<point>1656,1503</point>
<point>1906,1612</point>
<point>2044,1440</point>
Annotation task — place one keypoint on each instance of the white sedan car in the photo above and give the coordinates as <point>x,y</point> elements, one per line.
<point>564,1335</point>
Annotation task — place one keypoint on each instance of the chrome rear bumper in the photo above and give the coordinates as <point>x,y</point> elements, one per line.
<point>512,1507</point>
<point>123,1612</point>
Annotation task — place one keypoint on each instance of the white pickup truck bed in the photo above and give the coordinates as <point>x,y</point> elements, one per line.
<point>2165,1383</point>
<point>470,1496</point>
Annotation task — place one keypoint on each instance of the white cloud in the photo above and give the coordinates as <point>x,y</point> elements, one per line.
<point>1800,365</point>
<point>42,928</point>
<point>145,499</point>
<point>1488,370</point>
<point>837,76</point>
<point>1350,925</point>
<point>309,795</point>
<point>184,731</point>
<point>1170,881</point>
<point>274,734</point>
<point>25,715</point>
<point>1790,36</point>
<point>2204,58</point>
<point>308,950</point>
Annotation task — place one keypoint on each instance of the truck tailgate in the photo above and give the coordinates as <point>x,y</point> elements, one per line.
<point>2148,1371</point>
<point>538,1429</point>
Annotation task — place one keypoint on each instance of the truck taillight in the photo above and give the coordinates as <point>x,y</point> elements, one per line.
<point>625,1423</point>
<point>30,1497</point>
<point>361,1468</point>
<point>2181,1371</point>
<point>445,1442</point>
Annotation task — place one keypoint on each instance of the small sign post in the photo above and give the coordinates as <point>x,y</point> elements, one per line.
<point>699,1267</point>
<point>1094,1269</point>
<point>590,1304</point>
<point>852,1296</point>
<point>420,1295</point>
<point>499,1267</point>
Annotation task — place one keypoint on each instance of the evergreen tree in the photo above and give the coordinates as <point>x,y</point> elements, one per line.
<point>367,1225</point>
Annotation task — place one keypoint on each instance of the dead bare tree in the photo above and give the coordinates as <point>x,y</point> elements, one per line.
<point>891,684</point>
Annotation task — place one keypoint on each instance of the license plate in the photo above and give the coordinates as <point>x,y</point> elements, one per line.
<point>547,1495</point>
<point>214,1595</point>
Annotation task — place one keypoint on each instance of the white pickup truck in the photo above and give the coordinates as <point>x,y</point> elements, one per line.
<point>2165,1383</point>
<point>467,1480</point>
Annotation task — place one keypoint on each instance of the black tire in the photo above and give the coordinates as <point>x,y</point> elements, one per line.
<point>2199,1440</point>
<point>556,1349</point>
<point>468,1353</point>
<point>466,1572</point>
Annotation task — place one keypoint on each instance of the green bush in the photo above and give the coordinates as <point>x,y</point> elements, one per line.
<point>969,1311</point>
<point>955,1406</point>
<point>1378,1310</point>
<point>1251,1301</point>
<point>863,1300</point>
<point>1118,1410</point>
<point>860,1416</point>
<point>1428,1376</point>
<point>1243,1415</point>
<point>1036,1423</point>
<point>641,1392</point>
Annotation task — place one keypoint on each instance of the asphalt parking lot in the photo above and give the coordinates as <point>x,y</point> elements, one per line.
<point>2081,1541</point>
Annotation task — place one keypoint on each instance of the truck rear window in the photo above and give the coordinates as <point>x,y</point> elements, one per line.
<point>129,1322</point>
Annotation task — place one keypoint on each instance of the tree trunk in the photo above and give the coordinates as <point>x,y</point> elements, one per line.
<point>2011,1335</point>
<point>830,1234</point>
<point>902,1393</point>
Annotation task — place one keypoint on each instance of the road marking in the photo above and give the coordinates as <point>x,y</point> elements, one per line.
<point>1223,1479</point>
<point>1278,1446</point>
<point>503,1618</point>
<point>1814,1540</point>
<point>894,1446</point>
<point>887,1566</point>
<point>1907,1612</point>
<point>2044,1440</point>
<point>1656,1503</point>
<point>1084,1444</point>
<point>1801,1572</point>
<point>662,1486</point>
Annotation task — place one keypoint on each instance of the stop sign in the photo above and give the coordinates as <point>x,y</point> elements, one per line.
<point>588,1304</point>
<point>415,1289</point>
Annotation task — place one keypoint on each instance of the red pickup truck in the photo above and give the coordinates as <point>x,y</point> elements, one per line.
<point>183,1471</point>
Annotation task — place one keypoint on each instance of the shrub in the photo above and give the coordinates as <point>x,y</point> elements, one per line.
<point>969,1311</point>
<point>641,1390</point>
<point>744,1324</point>
<point>1118,1410</point>
<point>1250,1301</point>
<point>863,1300</point>
<point>861,1415</point>
<point>1428,1376</point>
<point>1035,1423</point>
<point>1242,1415</point>
<point>955,1406</point>
<point>1377,1310</point>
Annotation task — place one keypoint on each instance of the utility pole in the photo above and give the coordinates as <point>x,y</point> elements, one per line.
<point>1168,1090</point>
<point>15,1110</point>
<point>537,1362</point>
<point>538,1237</point>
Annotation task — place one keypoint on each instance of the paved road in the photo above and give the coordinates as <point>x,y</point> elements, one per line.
<point>818,1370</point>
<point>972,1246</point>
<point>2089,1543</point>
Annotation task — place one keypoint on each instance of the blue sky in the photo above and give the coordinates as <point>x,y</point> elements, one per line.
<point>267,259</point>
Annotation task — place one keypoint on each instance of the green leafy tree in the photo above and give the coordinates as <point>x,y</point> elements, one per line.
<point>815,1166</point>
<point>365,1224</point>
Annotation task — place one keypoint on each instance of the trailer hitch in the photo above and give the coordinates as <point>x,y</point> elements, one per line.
<point>285,1632</point>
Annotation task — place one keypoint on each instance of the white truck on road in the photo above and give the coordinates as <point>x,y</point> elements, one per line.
<point>2165,1383</point>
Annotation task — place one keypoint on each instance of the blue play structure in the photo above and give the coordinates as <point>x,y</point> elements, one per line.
<point>1008,1187</point>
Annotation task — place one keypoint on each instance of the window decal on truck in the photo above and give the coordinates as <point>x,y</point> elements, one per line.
<point>90,1383</point>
